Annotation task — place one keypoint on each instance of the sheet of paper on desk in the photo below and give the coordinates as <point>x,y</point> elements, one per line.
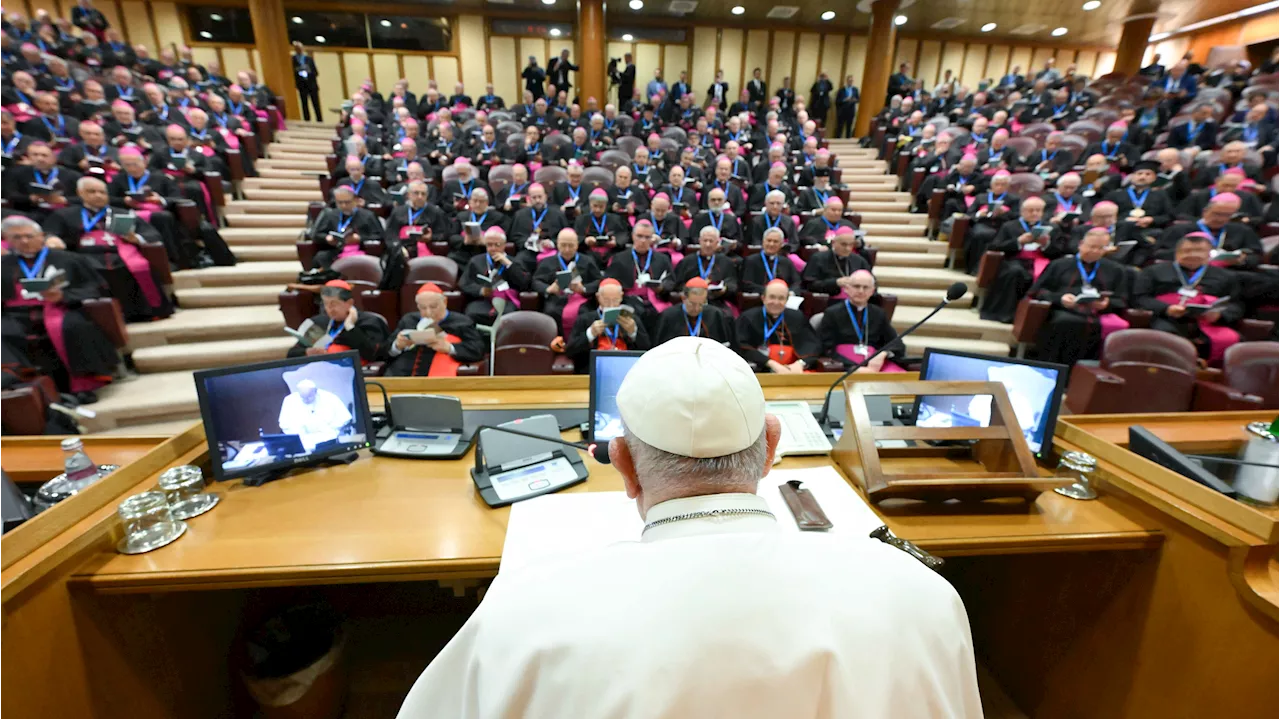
<point>558,526</point>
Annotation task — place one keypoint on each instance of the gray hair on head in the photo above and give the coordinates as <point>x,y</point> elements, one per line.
<point>16,222</point>
<point>85,182</point>
<point>774,231</point>
<point>696,475</point>
<point>708,230</point>
<point>775,195</point>
<point>343,190</point>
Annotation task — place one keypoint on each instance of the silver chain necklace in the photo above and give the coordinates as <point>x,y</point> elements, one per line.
<point>706,513</point>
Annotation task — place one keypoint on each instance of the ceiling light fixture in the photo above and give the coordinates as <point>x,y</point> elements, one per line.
<point>1092,5</point>
<point>555,32</point>
<point>628,37</point>
<point>548,2</point>
<point>636,4</point>
<point>206,34</point>
<point>297,20</point>
<point>900,20</point>
<point>215,17</point>
<point>1059,32</point>
<point>738,10</point>
<point>320,38</point>
<point>386,23</point>
<point>989,27</point>
<point>829,15</point>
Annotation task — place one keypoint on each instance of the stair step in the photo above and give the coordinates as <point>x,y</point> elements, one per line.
<point>244,295</point>
<point>909,259</point>
<point>859,185</point>
<point>270,173</point>
<point>154,398</point>
<point>275,207</point>
<point>922,278</point>
<point>876,196</point>
<point>954,322</point>
<point>297,221</point>
<point>300,147</point>
<point>865,207</point>
<point>898,228</point>
<point>245,273</point>
<point>207,324</point>
<point>912,245</point>
<point>259,235</point>
<point>290,195</point>
<point>918,343</point>
<point>203,355</point>
<point>921,297</point>
<point>265,253</point>
<point>313,164</point>
<point>312,157</point>
<point>893,218</point>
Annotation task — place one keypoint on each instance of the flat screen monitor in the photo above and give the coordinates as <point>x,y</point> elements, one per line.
<point>275,415</point>
<point>1035,390</point>
<point>607,368</point>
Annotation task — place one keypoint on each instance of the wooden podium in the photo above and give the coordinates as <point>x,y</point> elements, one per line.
<point>997,464</point>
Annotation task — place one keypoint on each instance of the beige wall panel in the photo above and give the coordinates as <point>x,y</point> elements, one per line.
<point>50,7</point>
<point>502,59</point>
<point>702,60</point>
<point>998,63</point>
<point>833,58</point>
<point>756,51</point>
<point>1170,50</point>
<point>807,63</point>
<point>1086,61</point>
<point>257,58</point>
<point>205,55</point>
<point>168,27</point>
<point>930,61</point>
<point>329,80</point>
<point>108,11</point>
<point>1021,57</point>
<point>1065,57</point>
<point>357,67</point>
<point>386,70</point>
<point>1106,63</point>
<point>906,52</point>
<point>780,65</point>
<point>855,58</point>
<point>1038,58</point>
<point>730,60</point>
<point>675,59</point>
<point>235,60</point>
<point>952,57</point>
<point>446,74</point>
<point>135,18</point>
<point>535,46</point>
<point>974,58</point>
<point>417,73</point>
<point>473,53</point>
<point>648,56</point>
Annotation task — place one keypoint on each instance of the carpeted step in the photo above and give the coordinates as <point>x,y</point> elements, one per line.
<point>267,173</point>
<point>285,195</point>
<point>245,273</point>
<point>311,164</point>
<point>898,228</point>
<point>198,297</point>
<point>241,236</point>
<point>893,218</point>
<point>298,221</point>
<point>273,207</point>
<point>208,324</point>
<point>266,253</point>
<point>954,322</point>
<point>864,206</point>
<point>204,355</point>
<point>918,343</point>
<point>859,185</point>
<point>300,147</point>
<point>920,297</point>
<point>159,397</point>
<point>907,245</point>
<point>292,182</point>
<point>878,196</point>
<point>909,259</point>
<point>277,157</point>
<point>922,278</point>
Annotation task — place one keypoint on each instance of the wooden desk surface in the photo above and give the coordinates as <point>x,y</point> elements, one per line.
<point>385,519</point>
<point>38,459</point>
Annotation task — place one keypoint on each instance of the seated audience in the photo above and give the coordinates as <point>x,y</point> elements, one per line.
<point>492,281</point>
<point>346,328</point>
<point>451,339</point>
<point>851,331</point>
<point>340,230</point>
<point>1191,297</point>
<point>775,338</point>
<point>590,331</point>
<point>695,317</point>
<point>1088,294</point>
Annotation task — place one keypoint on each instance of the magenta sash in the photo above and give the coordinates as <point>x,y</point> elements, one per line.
<point>847,351</point>
<point>674,255</point>
<point>53,316</point>
<point>799,263</point>
<point>208,199</point>
<point>230,138</point>
<point>968,200</point>
<point>1112,322</point>
<point>534,167</point>
<point>1037,259</point>
<point>544,254</point>
<point>647,294</point>
<point>141,271</point>
<point>22,112</point>
<point>205,150</point>
<point>570,315</point>
<point>351,248</point>
<point>511,296</point>
<point>277,118</point>
<point>1220,338</point>
<point>144,209</point>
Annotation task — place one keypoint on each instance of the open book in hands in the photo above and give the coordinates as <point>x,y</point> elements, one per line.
<point>310,334</point>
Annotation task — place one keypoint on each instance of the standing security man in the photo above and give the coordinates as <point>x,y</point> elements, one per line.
<point>304,77</point>
<point>846,107</point>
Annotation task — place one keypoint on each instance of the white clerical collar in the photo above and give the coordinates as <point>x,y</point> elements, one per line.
<point>743,513</point>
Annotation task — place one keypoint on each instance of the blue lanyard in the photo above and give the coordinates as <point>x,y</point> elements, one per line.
<point>768,331</point>
<point>679,194</point>
<point>1112,152</point>
<point>717,219</point>
<point>8,148</point>
<point>992,199</point>
<point>832,226</point>
<point>648,260</point>
<point>564,267</point>
<point>574,192</point>
<point>979,138</point>
<point>600,223</point>
<point>595,134</point>
<point>1059,109</point>
<point>52,177</point>
<point>848,306</point>
<point>342,226</point>
<point>489,146</point>
<point>30,272</point>
<point>237,108</point>
<point>532,150</point>
<point>91,222</point>
<point>537,219</point>
<point>1195,279</point>
<point>332,330</point>
<point>695,330</point>
<point>770,271</point>
<point>1217,239</point>
<point>357,187</point>
<point>612,333</point>
<point>413,216</point>
<point>703,273</point>
<point>638,171</point>
<point>657,226</point>
<point>466,190</point>
<point>1045,156</point>
<point>1087,276</point>
<point>199,135</point>
<point>769,225</point>
<point>163,113</point>
<point>123,94</point>
<point>1193,131</point>
<point>1250,133</point>
<point>1139,202</point>
<point>222,119</point>
<point>489,261</point>
<point>1063,202</point>
<point>482,218</point>
<point>1025,228</point>
<point>61,128</point>
<point>822,196</point>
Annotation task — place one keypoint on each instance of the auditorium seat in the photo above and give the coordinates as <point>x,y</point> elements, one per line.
<point>24,410</point>
<point>1250,376</point>
<point>1141,370</point>
<point>522,346</point>
<point>439,270</point>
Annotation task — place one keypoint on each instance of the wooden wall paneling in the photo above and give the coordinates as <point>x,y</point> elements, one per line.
<point>1259,28</point>
<point>108,10</point>
<point>930,54</point>
<point>703,61</point>
<point>473,54</point>
<point>526,46</point>
<point>205,55</point>
<point>1038,57</point>
<point>416,70</point>
<point>618,49</point>
<point>952,59</point>
<point>1021,57</point>
<point>808,48</point>
<point>648,56</point>
<point>855,58</point>
<point>386,70</point>
<point>1065,56</point>
<point>781,59</point>
<point>998,62</point>
<point>732,60</point>
<point>355,68</point>
<point>833,52</point>
<point>975,60</point>
<point>168,26</point>
<point>1169,50</point>
<point>50,7</point>
<point>1086,61</point>
<point>675,59</point>
<point>329,80</point>
<point>1106,63</point>
<point>235,59</point>
<point>134,16</point>
<point>445,73</point>
<point>502,56</point>
<point>755,53</point>
<point>255,59</point>
<point>906,52</point>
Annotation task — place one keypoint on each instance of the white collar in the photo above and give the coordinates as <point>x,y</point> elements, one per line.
<point>730,524</point>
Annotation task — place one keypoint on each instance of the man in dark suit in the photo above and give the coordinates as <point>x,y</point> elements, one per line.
<point>846,107</point>
<point>626,79</point>
<point>899,82</point>
<point>304,78</point>
<point>1155,69</point>
<point>1201,131</point>
<point>558,71</point>
<point>757,90</point>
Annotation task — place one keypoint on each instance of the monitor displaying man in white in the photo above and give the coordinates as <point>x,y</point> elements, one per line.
<point>315,415</point>
<point>715,611</point>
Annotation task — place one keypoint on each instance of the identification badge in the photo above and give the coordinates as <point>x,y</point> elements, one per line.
<point>1088,291</point>
<point>1188,292</point>
<point>302,74</point>
<point>29,295</point>
<point>860,350</point>
<point>764,350</point>
<point>414,229</point>
<point>501,287</point>
<point>1089,193</point>
<point>642,278</point>
<point>1137,212</point>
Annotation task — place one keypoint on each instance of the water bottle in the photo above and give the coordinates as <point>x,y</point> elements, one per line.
<point>81,471</point>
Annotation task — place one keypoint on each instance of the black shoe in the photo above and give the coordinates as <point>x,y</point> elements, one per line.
<point>86,397</point>
<point>203,260</point>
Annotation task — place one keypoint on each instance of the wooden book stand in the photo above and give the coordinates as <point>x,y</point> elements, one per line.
<point>997,464</point>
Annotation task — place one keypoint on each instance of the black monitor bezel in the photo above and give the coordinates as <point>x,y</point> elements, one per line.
<point>361,398</point>
<point>591,385</point>
<point>1051,420</point>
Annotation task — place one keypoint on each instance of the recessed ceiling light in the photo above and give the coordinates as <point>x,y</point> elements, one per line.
<point>1059,32</point>
<point>555,32</point>
<point>738,10</point>
<point>636,4</point>
<point>385,23</point>
<point>206,34</point>
<point>900,20</point>
<point>319,38</point>
<point>297,20</point>
<point>829,15</point>
<point>1092,5</point>
<point>628,37</point>
<point>548,2</point>
<point>989,27</point>
<point>215,17</point>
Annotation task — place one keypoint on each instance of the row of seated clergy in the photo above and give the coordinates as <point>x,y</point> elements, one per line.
<point>1089,294</point>
<point>49,331</point>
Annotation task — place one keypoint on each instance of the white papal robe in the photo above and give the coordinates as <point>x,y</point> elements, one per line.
<point>715,617</point>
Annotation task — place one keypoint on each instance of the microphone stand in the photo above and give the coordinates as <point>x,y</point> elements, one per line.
<point>490,495</point>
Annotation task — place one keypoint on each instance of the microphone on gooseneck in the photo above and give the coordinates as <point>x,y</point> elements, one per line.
<point>954,292</point>
<point>599,452</point>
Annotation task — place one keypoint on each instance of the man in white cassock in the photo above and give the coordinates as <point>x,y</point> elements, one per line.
<point>715,611</point>
<point>313,413</point>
